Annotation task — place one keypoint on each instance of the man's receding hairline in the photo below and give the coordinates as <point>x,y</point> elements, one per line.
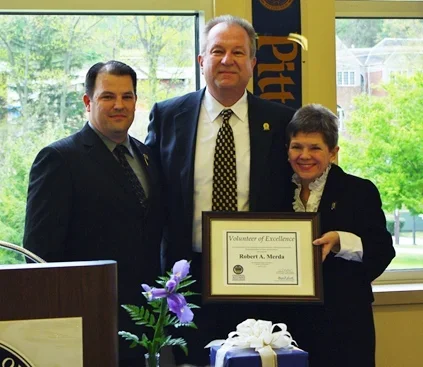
<point>229,25</point>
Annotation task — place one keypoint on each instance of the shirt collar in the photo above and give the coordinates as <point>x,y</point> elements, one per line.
<point>214,108</point>
<point>111,145</point>
<point>318,184</point>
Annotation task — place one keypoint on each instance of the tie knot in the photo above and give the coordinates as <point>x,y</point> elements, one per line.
<point>120,149</point>
<point>226,114</point>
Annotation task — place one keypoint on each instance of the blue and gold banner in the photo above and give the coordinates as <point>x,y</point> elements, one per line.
<point>277,75</point>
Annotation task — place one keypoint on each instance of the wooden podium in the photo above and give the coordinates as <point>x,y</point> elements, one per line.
<point>86,291</point>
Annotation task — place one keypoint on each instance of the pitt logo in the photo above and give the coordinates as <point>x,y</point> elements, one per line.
<point>10,358</point>
<point>276,5</point>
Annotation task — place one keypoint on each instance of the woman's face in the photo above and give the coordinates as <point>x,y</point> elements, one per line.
<point>310,156</point>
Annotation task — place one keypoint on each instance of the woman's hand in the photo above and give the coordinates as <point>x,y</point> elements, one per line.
<point>329,242</point>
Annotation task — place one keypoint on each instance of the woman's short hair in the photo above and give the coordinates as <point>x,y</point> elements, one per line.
<point>314,118</point>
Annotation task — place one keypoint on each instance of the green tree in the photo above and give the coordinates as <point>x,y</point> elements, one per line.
<point>359,32</point>
<point>384,143</point>
<point>17,155</point>
<point>43,54</point>
<point>397,28</point>
<point>162,55</point>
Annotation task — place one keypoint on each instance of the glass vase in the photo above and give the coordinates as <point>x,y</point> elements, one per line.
<point>152,360</point>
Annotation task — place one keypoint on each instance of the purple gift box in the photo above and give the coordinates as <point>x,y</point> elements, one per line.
<point>250,358</point>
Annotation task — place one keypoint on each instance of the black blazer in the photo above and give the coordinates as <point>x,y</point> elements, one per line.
<point>172,137</point>
<point>81,207</point>
<point>341,331</point>
<point>353,204</point>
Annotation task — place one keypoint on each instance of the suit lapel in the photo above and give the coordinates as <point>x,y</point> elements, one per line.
<point>143,156</point>
<point>330,198</point>
<point>261,137</point>
<point>97,151</point>
<point>186,123</point>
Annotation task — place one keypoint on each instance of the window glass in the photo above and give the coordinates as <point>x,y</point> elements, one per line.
<point>43,62</point>
<point>382,120</point>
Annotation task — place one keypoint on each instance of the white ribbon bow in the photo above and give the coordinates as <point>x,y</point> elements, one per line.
<point>255,334</point>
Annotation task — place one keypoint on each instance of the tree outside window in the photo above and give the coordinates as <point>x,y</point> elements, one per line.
<point>383,120</point>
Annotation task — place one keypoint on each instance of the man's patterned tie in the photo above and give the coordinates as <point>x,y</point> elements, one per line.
<point>120,152</point>
<point>224,197</point>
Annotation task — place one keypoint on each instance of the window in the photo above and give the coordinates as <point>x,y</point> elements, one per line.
<point>345,78</point>
<point>382,117</point>
<point>43,62</point>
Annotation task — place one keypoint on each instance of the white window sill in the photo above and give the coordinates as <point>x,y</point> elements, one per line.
<point>398,294</point>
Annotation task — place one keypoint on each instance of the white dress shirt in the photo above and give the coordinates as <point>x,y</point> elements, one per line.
<point>209,123</point>
<point>131,158</point>
<point>351,247</point>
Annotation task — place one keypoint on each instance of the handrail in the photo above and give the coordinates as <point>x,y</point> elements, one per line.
<point>22,251</point>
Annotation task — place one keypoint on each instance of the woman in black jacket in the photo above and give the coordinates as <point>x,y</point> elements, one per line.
<point>356,246</point>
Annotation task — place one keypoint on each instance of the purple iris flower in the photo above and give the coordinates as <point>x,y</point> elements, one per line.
<point>171,284</point>
<point>180,269</point>
<point>178,305</point>
<point>175,301</point>
<point>153,293</point>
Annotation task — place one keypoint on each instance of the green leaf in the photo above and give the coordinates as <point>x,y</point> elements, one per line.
<point>184,285</point>
<point>170,320</point>
<point>162,282</point>
<point>145,342</point>
<point>177,342</point>
<point>130,337</point>
<point>190,324</point>
<point>140,315</point>
<point>192,305</point>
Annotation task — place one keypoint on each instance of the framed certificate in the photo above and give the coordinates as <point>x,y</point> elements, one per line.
<point>251,256</point>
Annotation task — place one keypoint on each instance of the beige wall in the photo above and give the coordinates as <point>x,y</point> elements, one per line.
<point>399,328</point>
<point>399,335</point>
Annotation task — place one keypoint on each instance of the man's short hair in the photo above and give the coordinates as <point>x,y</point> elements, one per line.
<point>230,20</point>
<point>110,67</point>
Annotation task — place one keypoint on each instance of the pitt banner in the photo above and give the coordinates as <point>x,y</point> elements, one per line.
<point>277,75</point>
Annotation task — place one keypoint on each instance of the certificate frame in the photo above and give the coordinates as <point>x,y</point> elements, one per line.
<point>261,257</point>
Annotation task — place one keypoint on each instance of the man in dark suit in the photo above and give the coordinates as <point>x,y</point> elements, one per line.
<point>183,135</point>
<point>89,201</point>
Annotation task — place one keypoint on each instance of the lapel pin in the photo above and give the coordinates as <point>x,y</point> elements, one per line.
<point>266,126</point>
<point>333,206</point>
<point>145,158</point>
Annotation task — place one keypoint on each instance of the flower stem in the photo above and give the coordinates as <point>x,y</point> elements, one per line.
<point>158,330</point>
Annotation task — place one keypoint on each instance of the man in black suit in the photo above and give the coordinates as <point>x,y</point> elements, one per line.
<point>183,133</point>
<point>89,201</point>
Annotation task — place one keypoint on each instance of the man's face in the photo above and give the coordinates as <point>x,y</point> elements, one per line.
<point>227,63</point>
<point>112,107</point>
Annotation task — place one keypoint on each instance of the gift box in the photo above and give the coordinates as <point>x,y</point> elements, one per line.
<point>292,357</point>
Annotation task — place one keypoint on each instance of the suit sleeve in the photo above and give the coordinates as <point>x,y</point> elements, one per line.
<point>378,250</point>
<point>153,137</point>
<point>48,206</point>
